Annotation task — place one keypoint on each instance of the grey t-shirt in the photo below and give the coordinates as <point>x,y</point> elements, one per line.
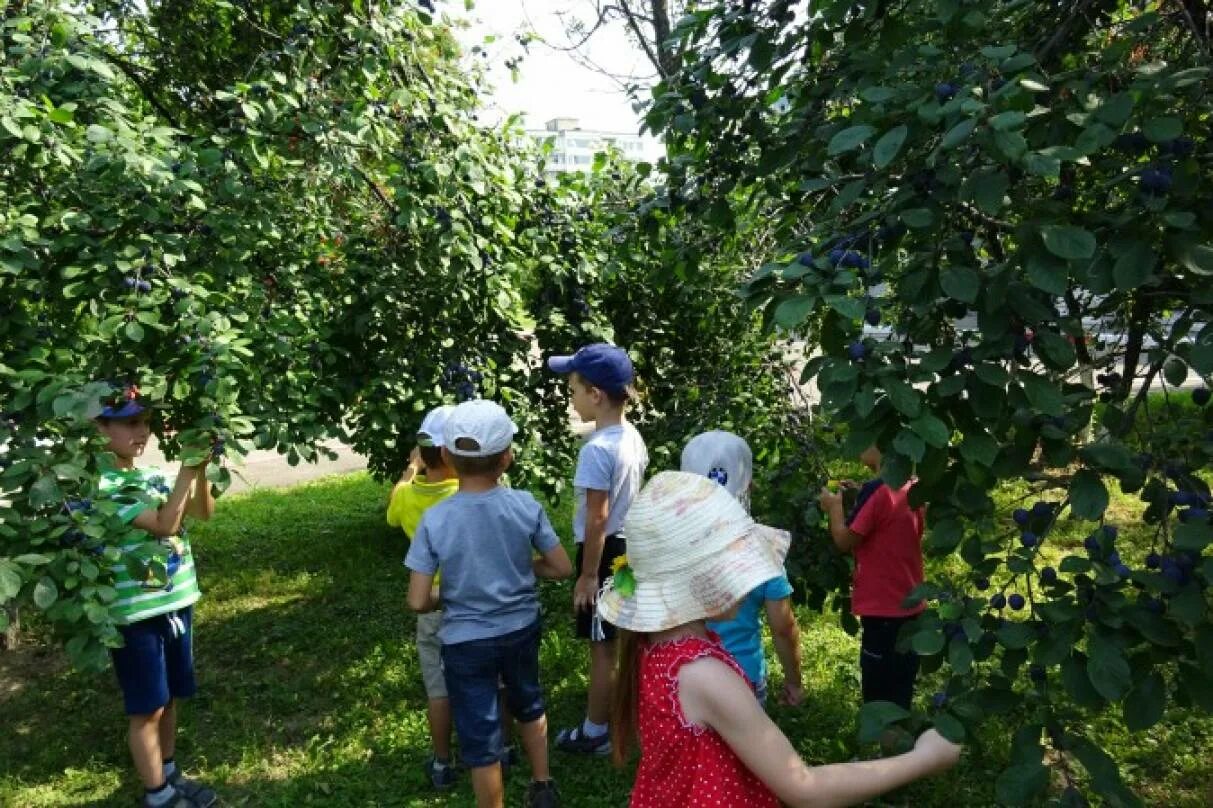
<point>613,459</point>
<point>483,543</point>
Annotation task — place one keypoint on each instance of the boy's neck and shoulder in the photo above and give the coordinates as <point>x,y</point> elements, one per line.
<point>613,432</point>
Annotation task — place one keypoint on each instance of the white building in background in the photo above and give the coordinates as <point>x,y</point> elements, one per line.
<point>573,148</point>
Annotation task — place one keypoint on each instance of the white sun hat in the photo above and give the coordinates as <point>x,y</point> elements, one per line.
<point>723,457</point>
<point>693,552</point>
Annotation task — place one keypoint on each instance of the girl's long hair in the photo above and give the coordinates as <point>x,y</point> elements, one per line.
<point>625,697</point>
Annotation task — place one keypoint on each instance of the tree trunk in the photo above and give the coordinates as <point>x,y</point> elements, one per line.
<point>8,639</point>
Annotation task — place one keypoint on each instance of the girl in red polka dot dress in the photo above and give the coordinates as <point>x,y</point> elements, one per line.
<point>693,554</point>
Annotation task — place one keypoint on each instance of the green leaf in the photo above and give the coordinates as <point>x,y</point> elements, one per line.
<point>1164,129</point>
<point>1018,784</point>
<point>849,139</point>
<point>877,95</point>
<point>927,642</point>
<point>958,133</point>
<point>1198,258</point>
<point>979,448</point>
<point>1070,243</point>
<point>792,312</point>
<point>990,190</point>
<point>945,535</point>
<point>917,218</point>
<point>960,655</point>
<point>1107,668</point>
<point>1088,496</point>
<point>44,491</point>
<point>910,445</point>
<point>1043,394</point>
<point>1078,684</point>
<point>1012,119</point>
<point>960,283</point>
<point>32,559</point>
<point>1105,777</point>
<point>903,397</point>
<point>896,470</point>
<point>134,331</point>
<point>888,146</point>
<point>1134,265</point>
<point>932,430</point>
<point>1143,707</point>
<point>1055,350</point>
<point>1175,371</point>
<point>1194,535</point>
<point>1116,110</point>
<point>851,308</point>
<point>876,716</point>
<point>949,727</point>
<point>45,593</point>
<point>10,580</point>
<point>1047,273</point>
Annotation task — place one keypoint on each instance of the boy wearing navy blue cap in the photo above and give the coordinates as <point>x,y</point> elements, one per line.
<point>155,665</point>
<point>610,469</point>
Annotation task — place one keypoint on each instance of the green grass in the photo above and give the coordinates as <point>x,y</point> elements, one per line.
<point>310,693</point>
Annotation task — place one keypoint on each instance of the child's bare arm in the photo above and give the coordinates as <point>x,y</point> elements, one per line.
<point>202,501</point>
<point>166,520</point>
<point>554,564</point>
<point>786,635</point>
<point>844,538</point>
<point>410,471</point>
<point>597,508</point>
<point>421,597</point>
<point>711,693</point>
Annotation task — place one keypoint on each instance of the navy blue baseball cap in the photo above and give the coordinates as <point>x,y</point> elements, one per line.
<point>127,409</point>
<point>607,367</point>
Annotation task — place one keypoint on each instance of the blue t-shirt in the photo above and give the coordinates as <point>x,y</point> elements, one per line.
<point>484,543</point>
<point>741,636</point>
<point>613,459</point>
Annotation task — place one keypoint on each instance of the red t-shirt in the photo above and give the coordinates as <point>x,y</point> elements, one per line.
<point>684,764</point>
<point>888,562</point>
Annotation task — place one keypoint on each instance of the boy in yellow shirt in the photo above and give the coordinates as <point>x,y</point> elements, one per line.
<point>427,481</point>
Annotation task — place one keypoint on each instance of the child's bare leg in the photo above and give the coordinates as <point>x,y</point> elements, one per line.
<point>438,712</point>
<point>486,782</point>
<point>168,731</point>
<point>602,681</point>
<point>144,741</point>
<point>534,736</point>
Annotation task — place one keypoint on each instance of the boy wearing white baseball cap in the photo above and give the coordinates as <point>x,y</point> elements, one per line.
<point>485,538</point>
<point>427,481</point>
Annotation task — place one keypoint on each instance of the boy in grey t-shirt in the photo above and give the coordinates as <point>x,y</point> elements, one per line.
<point>484,538</point>
<point>610,470</point>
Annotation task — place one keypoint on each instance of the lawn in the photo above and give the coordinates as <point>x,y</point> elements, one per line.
<point>310,693</point>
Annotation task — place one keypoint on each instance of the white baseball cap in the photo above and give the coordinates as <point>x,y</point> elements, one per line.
<point>723,457</point>
<point>431,431</point>
<point>485,423</point>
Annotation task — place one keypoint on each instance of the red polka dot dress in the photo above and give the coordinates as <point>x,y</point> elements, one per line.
<point>684,764</point>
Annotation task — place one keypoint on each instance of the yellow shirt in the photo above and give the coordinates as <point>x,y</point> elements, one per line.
<point>413,499</point>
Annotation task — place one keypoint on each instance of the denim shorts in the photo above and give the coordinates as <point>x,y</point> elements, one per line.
<point>156,665</point>
<point>473,671</point>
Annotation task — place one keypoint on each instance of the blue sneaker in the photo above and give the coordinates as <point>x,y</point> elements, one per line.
<point>575,741</point>
<point>441,776</point>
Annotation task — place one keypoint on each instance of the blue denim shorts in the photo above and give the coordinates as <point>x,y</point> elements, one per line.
<point>473,671</point>
<point>157,663</point>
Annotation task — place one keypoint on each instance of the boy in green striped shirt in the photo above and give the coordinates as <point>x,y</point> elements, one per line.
<point>157,588</point>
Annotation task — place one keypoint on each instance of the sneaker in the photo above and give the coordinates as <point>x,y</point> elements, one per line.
<point>201,795</point>
<point>179,800</point>
<point>575,741</point>
<point>441,777</point>
<point>542,795</point>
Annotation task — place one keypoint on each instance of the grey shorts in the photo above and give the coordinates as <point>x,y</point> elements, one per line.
<point>429,651</point>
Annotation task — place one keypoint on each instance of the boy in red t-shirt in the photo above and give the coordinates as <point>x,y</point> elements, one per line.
<point>885,535</point>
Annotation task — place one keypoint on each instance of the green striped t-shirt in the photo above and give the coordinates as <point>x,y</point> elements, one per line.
<point>151,578</point>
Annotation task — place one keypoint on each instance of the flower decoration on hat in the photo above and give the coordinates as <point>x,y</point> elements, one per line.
<point>719,475</point>
<point>624,578</point>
